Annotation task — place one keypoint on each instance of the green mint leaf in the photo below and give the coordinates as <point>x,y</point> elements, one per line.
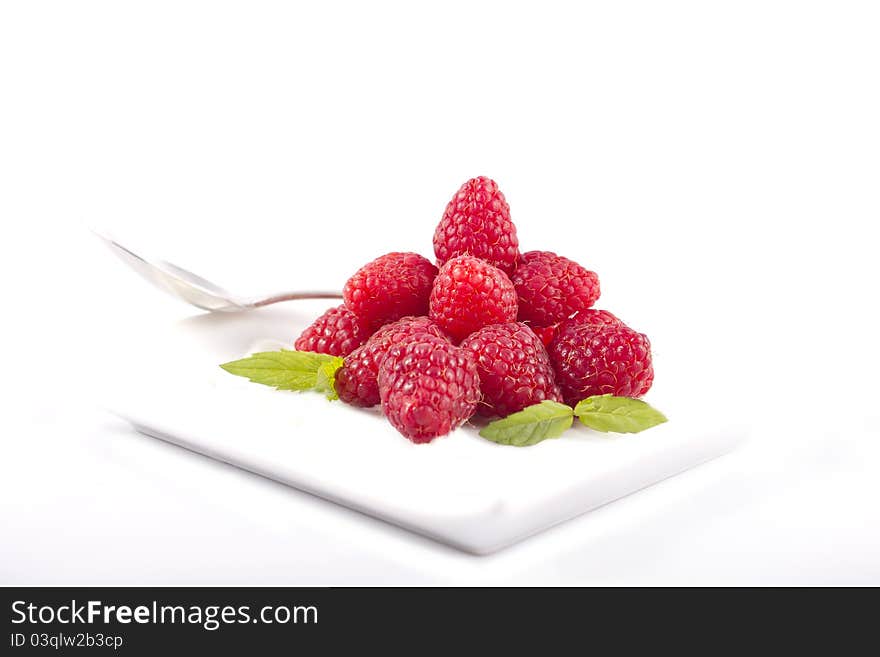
<point>548,419</point>
<point>325,380</point>
<point>286,370</point>
<point>617,414</point>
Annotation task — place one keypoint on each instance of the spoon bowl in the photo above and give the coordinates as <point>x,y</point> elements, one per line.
<point>197,291</point>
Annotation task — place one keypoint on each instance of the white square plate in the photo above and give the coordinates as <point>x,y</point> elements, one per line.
<point>461,489</point>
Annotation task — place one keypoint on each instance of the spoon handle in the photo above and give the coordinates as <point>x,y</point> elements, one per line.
<point>295,296</point>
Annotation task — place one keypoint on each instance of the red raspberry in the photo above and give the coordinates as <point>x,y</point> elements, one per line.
<point>428,387</point>
<point>356,381</point>
<point>469,294</point>
<point>337,332</point>
<point>589,316</point>
<point>596,317</point>
<point>552,288</point>
<point>514,368</point>
<point>390,287</point>
<point>595,360</point>
<point>546,333</point>
<point>477,222</point>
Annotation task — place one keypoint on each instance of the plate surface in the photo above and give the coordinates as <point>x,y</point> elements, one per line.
<point>460,490</point>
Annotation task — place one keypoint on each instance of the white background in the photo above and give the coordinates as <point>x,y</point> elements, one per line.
<point>716,163</point>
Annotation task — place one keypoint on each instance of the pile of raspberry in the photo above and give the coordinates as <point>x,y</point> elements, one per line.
<point>488,330</point>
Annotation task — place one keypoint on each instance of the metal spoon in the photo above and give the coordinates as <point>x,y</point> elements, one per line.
<point>195,290</point>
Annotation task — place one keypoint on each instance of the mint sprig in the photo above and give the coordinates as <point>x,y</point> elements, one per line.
<point>326,376</point>
<point>289,370</point>
<point>550,419</point>
<point>617,414</point>
<point>547,419</point>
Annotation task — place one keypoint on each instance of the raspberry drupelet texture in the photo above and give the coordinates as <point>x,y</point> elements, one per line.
<point>356,381</point>
<point>390,287</point>
<point>552,288</point>
<point>514,368</point>
<point>596,317</point>
<point>477,222</point>
<point>337,332</point>
<point>428,387</point>
<point>594,359</point>
<point>590,316</point>
<point>469,294</point>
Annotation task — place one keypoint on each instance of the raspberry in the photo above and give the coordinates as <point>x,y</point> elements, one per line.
<point>596,317</point>
<point>477,222</point>
<point>390,287</point>
<point>552,288</point>
<point>588,316</point>
<point>514,368</point>
<point>469,294</point>
<point>356,380</point>
<point>337,332</point>
<point>595,360</point>
<point>428,387</point>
